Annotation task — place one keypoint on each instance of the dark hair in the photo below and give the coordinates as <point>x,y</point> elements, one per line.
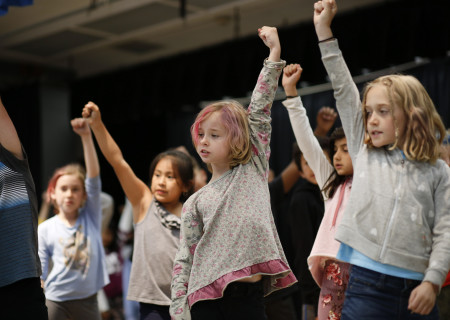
<point>324,143</point>
<point>335,180</point>
<point>182,164</point>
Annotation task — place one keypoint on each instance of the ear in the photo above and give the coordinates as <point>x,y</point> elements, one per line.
<point>52,195</point>
<point>301,174</point>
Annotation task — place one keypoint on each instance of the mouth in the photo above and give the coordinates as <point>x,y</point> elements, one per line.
<point>203,152</point>
<point>338,166</point>
<point>375,133</point>
<point>160,192</point>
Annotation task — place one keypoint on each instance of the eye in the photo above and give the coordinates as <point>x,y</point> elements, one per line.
<point>201,135</point>
<point>384,111</point>
<point>215,135</point>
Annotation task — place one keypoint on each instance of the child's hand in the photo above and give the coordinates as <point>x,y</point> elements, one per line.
<point>291,75</point>
<point>269,36</point>
<point>423,298</point>
<point>324,12</point>
<point>91,113</point>
<point>325,120</point>
<point>80,126</point>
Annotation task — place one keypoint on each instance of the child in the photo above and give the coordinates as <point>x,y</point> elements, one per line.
<point>156,215</point>
<point>230,254</point>
<point>335,181</point>
<point>396,223</point>
<point>71,240</point>
<point>20,267</point>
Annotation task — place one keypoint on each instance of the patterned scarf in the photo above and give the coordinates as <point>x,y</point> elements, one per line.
<point>168,220</point>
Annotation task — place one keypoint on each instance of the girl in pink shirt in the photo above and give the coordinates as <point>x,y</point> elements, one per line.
<point>335,181</point>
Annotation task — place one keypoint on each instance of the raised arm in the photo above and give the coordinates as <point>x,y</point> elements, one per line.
<point>326,117</point>
<point>9,138</point>
<point>81,127</point>
<point>346,93</point>
<point>137,192</point>
<point>262,99</point>
<point>306,140</point>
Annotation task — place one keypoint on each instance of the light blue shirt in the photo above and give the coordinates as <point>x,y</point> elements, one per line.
<point>79,268</point>
<point>356,258</point>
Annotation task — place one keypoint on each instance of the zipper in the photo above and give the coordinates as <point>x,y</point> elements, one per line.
<point>394,210</point>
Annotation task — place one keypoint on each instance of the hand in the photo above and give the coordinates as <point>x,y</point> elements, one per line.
<point>269,35</point>
<point>80,126</point>
<point>291,75</point>
<point>423,298</point>
<point>324,12</point>
<point>325,120</point>
<point>91,113</point>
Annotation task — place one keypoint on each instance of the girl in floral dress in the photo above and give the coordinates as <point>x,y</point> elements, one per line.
<point>230,255</point>
<point>335,181</point>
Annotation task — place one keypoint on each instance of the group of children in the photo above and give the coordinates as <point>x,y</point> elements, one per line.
<point>382,250</point>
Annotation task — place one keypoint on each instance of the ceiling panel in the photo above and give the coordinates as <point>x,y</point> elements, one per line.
<point>138,18</point>
<point>55,43</point>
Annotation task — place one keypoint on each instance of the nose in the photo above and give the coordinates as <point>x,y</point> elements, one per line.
<point>203,140</point>
<point>161,180</point>
<point>373,120</point>
<point>337,155</point>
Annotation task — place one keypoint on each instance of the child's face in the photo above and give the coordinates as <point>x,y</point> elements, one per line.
<point>69,193</point>
<point>213,145</point>
<point>381,121</point>
<point>165,185</point>
<point>307,172</point>
<point>341,159</point>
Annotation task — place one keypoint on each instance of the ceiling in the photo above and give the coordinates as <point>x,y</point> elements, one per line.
<point>88,37</point>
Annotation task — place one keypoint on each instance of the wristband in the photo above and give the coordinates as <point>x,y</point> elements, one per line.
<point>290,97</point>
<point>328,39</point>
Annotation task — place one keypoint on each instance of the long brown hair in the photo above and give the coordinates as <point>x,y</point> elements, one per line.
<point>335,180</point>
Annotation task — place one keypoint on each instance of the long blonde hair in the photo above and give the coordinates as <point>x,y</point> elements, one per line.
<point>424,130</point>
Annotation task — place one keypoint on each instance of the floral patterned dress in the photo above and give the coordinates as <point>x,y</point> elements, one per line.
<point>227,230</point>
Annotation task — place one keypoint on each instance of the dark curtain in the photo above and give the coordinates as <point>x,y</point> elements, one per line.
<point>150,107</point>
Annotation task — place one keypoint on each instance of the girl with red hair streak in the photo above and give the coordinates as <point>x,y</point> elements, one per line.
<point>230,255</point>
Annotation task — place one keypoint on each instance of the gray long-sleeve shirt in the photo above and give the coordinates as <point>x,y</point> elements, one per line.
<point>399,210</point>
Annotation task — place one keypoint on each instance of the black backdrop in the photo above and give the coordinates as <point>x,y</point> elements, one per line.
<point>150,107</point>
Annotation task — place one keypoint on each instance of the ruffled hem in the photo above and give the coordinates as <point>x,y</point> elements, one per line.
<point>276,268</point>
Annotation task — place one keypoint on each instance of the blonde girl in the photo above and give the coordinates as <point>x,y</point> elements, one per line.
<point>230,254</point>
<point>396,223</point>
<point>335,181</point>
<point>156,217</point>
<point>71,240</point>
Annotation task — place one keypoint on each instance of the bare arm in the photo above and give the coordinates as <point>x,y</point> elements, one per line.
<point>9,138</point>
<point>137,192</point>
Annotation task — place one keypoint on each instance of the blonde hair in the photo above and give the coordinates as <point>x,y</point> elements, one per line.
<point>424,130</point>
<point>235,120</point>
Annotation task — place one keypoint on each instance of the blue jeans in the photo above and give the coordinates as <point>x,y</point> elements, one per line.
<point>372,295</point>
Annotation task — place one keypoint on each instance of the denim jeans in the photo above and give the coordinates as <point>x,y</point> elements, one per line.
<point>372,295</point>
